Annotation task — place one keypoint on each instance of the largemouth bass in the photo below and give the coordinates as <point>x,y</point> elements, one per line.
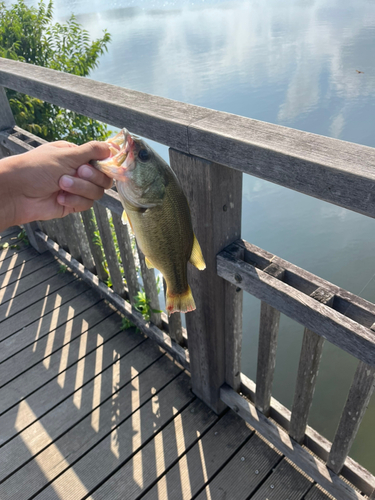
<point>158,212</point>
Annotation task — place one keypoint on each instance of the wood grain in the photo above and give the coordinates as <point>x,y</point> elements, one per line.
<point>317,470</point>
<point>7,120</point>
<point>96,250</point>
<point>311,353</point>
<point>214,194</point>
<point>329,323</point>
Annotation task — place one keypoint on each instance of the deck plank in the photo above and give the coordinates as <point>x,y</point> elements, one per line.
<point>55,341</point>
<point>39,309</point>
<point>244,473</point>
<point>318,494</point>
<point>13,272</point>
<point>73,430</point>
<point>33,333</point>
<point>47,397</point>
<point>130,435</point>
<point>18,258</point>
<point>25,283</point>
<point>41,373</point>
<point>204,459</point>
<point>285,483</point>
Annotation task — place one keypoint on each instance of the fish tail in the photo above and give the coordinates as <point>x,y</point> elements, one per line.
<point>182,302</point>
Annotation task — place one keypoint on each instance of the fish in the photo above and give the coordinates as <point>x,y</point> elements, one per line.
<point>158,212</point>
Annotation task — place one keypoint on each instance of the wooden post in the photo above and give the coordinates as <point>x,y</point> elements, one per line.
<point>214,193</point>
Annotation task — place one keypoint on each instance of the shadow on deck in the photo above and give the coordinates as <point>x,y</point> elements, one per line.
<point>90,411</point>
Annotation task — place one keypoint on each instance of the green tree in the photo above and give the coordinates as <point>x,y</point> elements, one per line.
<point>29,34</point>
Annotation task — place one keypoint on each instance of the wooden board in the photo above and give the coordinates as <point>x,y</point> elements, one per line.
<point>12,272</point>
<point>204,459</point>
<point>285,483</point>
<point>71,428</point>
<point>29,282</point>
<point>247,469</point>
<point>76,377</point>
<point>130,434</point>
<point>51,343</point>
<point>167,446</point>
<point>43,306</point>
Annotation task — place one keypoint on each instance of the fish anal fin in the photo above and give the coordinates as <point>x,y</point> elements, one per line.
<point>124,218</point>
<point>196,257</point>
<point>183,302</point>
<point>149,264</point>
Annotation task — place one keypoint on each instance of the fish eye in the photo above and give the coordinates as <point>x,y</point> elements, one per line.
<point>143,155</point>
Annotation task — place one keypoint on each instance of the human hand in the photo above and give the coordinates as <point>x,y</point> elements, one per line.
<point>52,181</point>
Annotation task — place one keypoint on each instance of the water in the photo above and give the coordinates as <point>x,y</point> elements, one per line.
<point>292,63</point>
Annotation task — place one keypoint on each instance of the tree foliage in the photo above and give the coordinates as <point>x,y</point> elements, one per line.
<point>29,34</point>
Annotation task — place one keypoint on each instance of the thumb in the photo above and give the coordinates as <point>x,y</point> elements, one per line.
<point>93,150</point>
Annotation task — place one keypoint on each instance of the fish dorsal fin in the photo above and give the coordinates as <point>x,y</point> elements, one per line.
<point>124,218</point>
<point>196,257</point>
<point>149,264</point>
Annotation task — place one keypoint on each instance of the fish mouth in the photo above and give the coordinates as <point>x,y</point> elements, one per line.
<point>121,158</point>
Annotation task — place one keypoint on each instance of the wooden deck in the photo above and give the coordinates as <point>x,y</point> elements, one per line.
<point>90,411</point>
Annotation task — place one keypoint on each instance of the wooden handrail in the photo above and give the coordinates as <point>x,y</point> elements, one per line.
<point>336,171</point>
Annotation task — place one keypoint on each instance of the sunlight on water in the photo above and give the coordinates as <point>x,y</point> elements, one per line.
<point>294,63</point>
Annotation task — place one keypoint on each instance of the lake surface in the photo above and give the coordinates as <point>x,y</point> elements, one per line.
<point>292,63</point>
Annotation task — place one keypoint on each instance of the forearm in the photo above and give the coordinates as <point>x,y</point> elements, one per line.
<point>8,208</point>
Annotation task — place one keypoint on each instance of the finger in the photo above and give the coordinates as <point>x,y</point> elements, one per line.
<point>80,187</point>
<point>93,150</point>
<point>73,203</point>
<point>91,174</point>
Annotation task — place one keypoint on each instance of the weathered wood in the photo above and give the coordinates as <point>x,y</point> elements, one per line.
<point>7,120</point>
<point>358,309</point>
<point>176,351</point>
<point>285,482</point>
<point>356,405</point>
<point>268,330</point>
<point>317,494</point>
<point>111,200</point>
<point>330,324</point>
<point>214,194</point>
<point>71,237</point>
<point>78,424</point>
<point>157,118</point>
<point>222,441</point>
<point>311,353</point>
<point>30,228</point>
<point>83,243</point>
<point>96,250</point>
<point>352,471</point>
<point>246,470</point>
<point>109,249</point>
<point>174,322</point>
<point>149,284</point>
<point>329,169</point>
<point>17,140</point>
<point>99,462</point>
<point>162,452</point>
<point>317,470</point>
<point>18,269</point>
<point>127,257</point>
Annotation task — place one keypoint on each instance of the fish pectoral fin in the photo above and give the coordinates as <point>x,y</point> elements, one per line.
<point>196,257</point>
<point>124,218</point>
<point>149,264</point>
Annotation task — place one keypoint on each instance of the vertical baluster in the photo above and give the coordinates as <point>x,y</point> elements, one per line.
<point>7,120</point>
<point>71,236</point>
<point>127,257</point>
<point>149,283</point>
<point>174,322</point>
<point>83,243</point>
<point>351,418</point>
<point>311,353</point>
<point>96,250</point>
<point>268,330</point>
<point>61,236</point>
<point>214,193</point>
<point>109,248</point>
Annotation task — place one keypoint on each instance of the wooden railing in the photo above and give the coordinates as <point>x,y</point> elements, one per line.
<point>209,152</point>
